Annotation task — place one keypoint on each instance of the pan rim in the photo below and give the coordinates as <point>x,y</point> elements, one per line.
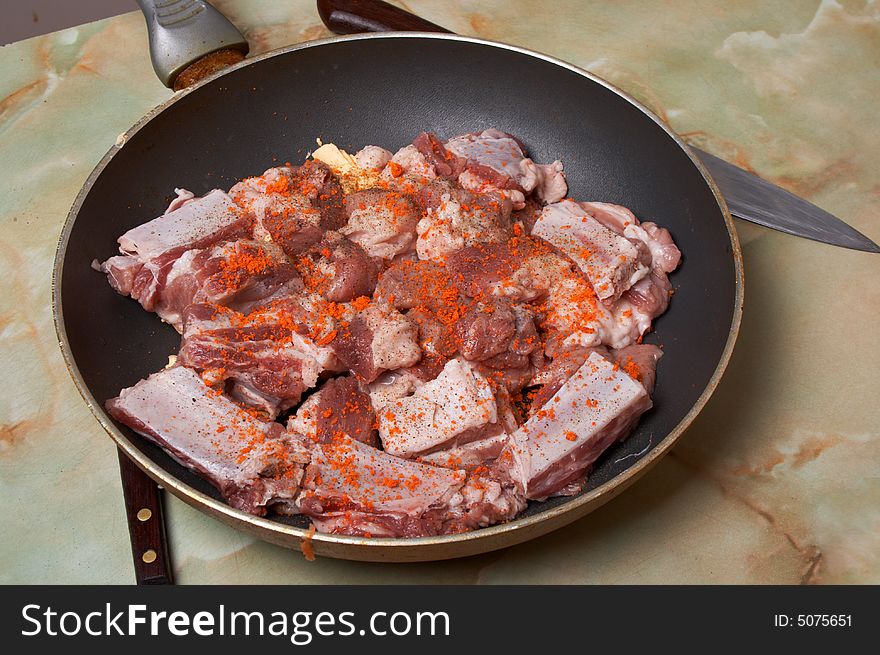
<point>263,526</point>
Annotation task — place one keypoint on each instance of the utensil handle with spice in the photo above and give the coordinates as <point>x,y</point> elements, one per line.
<point>355,16</point>
<point>190,40</point>
<point>146,524</point>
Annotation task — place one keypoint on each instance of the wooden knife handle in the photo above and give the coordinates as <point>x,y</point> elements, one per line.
<point>354,16</point>
<point>146,524</point>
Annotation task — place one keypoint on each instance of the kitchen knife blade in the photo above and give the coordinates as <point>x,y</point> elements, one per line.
<point>754,199</point>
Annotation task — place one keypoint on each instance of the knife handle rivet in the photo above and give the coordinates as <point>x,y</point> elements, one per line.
<point>149,556</point>
<point>144,515</point>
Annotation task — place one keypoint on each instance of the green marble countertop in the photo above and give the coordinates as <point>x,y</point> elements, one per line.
<point>776,481</point>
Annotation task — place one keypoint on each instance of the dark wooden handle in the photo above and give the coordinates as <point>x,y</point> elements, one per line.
<point>354,16</point>
<point>146,524</point>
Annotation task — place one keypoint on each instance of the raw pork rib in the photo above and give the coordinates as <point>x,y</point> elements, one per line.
<point>196,223</point>
<point>151,252</point>
<point>377,339</point>
<point>456,407</point>
<point>382,222</point>
<point>201,265</point>
<point>292,205</point>
<point>337,269</point>
<point>446,335</point>
<point>251,462</point>
<point>351,488</point>
<point>612,262</point>
<point>596,406</point>
<point>456,217</point>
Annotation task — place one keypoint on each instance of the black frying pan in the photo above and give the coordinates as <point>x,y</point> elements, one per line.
<point>384,89</point>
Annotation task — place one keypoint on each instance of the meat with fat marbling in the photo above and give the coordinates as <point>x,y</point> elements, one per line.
<point>496,160</point>
<point>610,261</point>
<point>337,269</point>
<point>292,205</point>
<point>383,222</point>
<point>351,488</point>
<point>595,407</point>
<point>378,338</point>
<point>263,356</point>
<point>340,408</point>
<point>252,463</point>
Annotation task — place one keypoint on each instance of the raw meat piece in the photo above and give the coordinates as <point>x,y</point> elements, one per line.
<point>528,215</point>
<point>121,271</point>
<point>469,455</point>
<point>496,160</point>
<point>383,222</point>
<point>522,269</point>
<point>239,274</point>
<point>631,316</point>
<point>571,314</point>
<point>526,269</point>
<point>615,217</point>
<point>486,329</point>
<point>497,333</point>
<point>436,337</point>
<point>252,463</point>
<point>513,368</point>
<point>292,205</point>
<point>487,498</point>
<point>637,360</point>
<point>395,341</point>
<point>425,289</point>
<point>183,197</point>
<point>610,261</point>
<point>485,449</point>
<point>640,362</point>
<point>373,157</point>
<point>665,256</point>
<point>199,223</point>
<point>392,386</point>
<point>456,407</point>
<point>150,251</point>
<point>378,338</point>
<point>460,218</point>
<point>563,364</point>
<point>445,163</point>
<point>337,269</point>
<point>351,488</point>
<point>340,408</point>
<point>267,361</point>
<point>598,405</point>
<point>408,168</point>
<point>424,285</point>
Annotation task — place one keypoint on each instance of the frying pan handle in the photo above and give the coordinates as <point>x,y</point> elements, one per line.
<point>354,16</point>
<point>146,525</point>
<point>189,40</point>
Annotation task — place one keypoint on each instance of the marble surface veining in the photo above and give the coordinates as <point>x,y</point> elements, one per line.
<point>776,481</point>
